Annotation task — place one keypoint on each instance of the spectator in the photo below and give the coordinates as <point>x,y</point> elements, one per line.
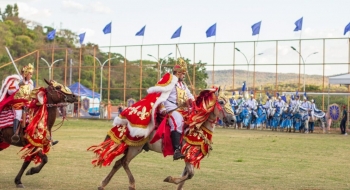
<point>102,110</point>
<point>120,110</point>
<point>343,121</point>
<point>75,109</point>
<point>109,110</point>
<point>328,122</point>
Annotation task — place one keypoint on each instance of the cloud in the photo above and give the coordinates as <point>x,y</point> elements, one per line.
<point>98,7</point>
<point>72,7</point>
<point>32,13</point>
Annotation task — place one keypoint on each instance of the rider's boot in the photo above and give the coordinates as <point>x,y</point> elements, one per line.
<point>15,137</point>
<point>175,139</point>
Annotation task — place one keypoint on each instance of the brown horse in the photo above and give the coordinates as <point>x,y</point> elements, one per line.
<point>209,106</point>
<point>55,95</point>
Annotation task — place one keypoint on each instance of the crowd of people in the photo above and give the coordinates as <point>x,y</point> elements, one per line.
<point>285,108</point>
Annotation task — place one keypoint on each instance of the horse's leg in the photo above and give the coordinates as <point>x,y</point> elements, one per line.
<point>20,173</point>
<point>132,152</point>
<point>188,175</point>
<point>180,185</point>
<point>115,168</point>
<point>37,169</point>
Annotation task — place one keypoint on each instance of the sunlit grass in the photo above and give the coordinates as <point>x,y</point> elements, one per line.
<point>241,159</point>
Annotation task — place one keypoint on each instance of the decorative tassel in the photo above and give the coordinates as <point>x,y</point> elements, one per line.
<point>106,152</point>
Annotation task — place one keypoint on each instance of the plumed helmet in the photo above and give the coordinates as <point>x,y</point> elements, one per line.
<point>181,66</point>
<point>28,69</point>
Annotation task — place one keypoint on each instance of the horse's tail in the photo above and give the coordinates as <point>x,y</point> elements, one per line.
<point>106,152</point>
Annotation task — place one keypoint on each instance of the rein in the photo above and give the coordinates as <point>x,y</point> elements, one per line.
<point>57,105</point>
<point>60,123</point>
<point>59,93</point>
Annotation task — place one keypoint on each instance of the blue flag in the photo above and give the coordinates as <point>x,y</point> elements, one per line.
<point>141,32</point>
<point>305,96</point>
<point>211,31</point>
<point>51,35</point>
<point>177,33</point>
<point>81,37</point>
<point>243,86</point>
<point>298,24</point>
<point>108,28</point>
<point>347,28</point>
<point>256,28</point>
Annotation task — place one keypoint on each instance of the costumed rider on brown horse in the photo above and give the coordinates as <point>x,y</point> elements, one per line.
<point>170,97</point>
<point>16,92</point>
<point>19,88</point>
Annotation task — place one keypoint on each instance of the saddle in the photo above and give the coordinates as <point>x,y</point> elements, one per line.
<point>7,116</point>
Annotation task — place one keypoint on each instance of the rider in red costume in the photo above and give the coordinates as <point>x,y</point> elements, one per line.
<point>170,96</point>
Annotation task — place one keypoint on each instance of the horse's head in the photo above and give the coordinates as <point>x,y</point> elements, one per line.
<point>225,111</point>
<point>209,106</point>
<point>58,93</point>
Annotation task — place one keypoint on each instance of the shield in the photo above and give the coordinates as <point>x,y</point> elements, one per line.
<point>334,112</point>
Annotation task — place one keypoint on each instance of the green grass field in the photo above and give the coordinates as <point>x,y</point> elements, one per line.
<point>241,159</point>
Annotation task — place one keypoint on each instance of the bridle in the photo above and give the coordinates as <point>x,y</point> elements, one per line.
<point>59,94</point>
<point>65,103</point>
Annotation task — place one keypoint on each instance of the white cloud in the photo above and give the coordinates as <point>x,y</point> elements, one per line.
<point>98,7</point>
<point>72,7</point>
<point>32,13</point>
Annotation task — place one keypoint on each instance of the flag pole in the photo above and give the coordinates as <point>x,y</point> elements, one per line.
<point>256,45</point>
<point>109,68</point>
<point>189,79</point>
<point>213,61</point>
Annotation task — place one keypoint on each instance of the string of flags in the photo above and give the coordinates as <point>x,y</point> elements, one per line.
<point>211,31</point>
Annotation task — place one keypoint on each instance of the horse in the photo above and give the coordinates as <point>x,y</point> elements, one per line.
<point>196,140</point>
<point>318,115</point>
<point>227,121</point>
<point>260,120</point>
<point>245,117</point>
<point>276,118</point>
<point>287,119</point>
<point>49,98</point>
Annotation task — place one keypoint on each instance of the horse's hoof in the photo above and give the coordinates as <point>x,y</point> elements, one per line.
<point>168,179</point>
<point>20,185</point>
<point>28,172</point>
<point>100,188</point>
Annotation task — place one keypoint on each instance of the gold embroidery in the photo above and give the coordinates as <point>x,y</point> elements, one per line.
<point>133,110</point>
<point>143,114</point>
<point>181,97</point>
<point>122,130</point>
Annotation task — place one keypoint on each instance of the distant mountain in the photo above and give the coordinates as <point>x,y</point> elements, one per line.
<point>266,79</point>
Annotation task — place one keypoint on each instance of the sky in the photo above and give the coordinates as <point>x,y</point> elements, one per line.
<point>321,19</point>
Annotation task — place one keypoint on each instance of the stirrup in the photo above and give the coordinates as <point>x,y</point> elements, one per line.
<point>177,155</point>
<point>54,142</point>
<point>14,138</point>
